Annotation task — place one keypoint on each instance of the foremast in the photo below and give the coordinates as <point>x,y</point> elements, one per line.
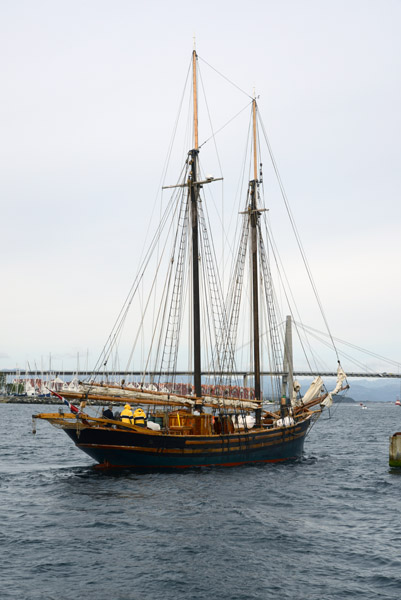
<point>194,185</point>
<point>194,194</point>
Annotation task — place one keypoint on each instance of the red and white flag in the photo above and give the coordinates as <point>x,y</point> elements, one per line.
<point>74,409</point>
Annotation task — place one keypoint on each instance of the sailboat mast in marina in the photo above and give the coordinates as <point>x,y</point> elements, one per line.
<point>165,423</point>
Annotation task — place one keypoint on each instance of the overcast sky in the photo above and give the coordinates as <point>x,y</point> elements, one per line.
<point>90,93</point>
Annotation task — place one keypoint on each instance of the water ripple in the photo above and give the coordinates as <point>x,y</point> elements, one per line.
<point>324,527</point>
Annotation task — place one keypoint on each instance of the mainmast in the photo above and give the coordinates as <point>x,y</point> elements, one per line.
<point>254,217</point>
<point>194,193</point>
<point>255,153</point>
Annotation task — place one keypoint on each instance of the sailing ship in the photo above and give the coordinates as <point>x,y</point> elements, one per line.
<point>211,420</point>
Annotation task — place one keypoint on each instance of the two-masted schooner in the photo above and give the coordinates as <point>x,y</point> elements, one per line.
<point>209,421</point>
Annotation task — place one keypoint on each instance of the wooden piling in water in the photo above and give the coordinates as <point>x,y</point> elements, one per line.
<point>395,450</point>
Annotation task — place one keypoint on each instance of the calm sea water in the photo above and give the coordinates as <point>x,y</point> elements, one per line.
<point>325,527</point>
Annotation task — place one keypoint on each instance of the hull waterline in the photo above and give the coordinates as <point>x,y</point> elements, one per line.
<point>114,448</point>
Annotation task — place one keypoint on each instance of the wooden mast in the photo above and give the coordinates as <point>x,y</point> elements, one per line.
<point>287,386</point>
<point>255,154</point>
<point>195,96</point>
<point>254,217</point>
<point>194,193</point>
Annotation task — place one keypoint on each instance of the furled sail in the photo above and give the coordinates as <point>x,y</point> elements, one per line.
<point>134,395</point>
<point>296,388</point>
<point>314,390</point>
<point>341,377</point>
<point>149,397</point>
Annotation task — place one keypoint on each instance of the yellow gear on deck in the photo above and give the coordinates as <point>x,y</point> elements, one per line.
<point>140,417</point>
<point>126,414</point>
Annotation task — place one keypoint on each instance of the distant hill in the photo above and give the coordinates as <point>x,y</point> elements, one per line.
<point>343,399</point>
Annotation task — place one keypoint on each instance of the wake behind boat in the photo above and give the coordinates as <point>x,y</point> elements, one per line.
<point>212,420</point>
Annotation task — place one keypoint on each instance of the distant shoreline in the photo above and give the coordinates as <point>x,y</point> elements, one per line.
<point>35,400</point>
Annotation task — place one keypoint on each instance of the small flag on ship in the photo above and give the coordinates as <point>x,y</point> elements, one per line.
<point>74,409</point>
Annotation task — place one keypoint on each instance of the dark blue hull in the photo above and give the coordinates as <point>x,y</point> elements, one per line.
<point>148,450</point>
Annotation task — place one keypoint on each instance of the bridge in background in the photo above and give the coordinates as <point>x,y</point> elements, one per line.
<point>151,375</point>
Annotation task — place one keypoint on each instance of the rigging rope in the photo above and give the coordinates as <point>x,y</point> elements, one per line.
<point>297,236</point>
<point>363,350</point>
<point>224,126</point>
<point>226,78</point>
<point>287,286</point>
<point>111,340</point>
